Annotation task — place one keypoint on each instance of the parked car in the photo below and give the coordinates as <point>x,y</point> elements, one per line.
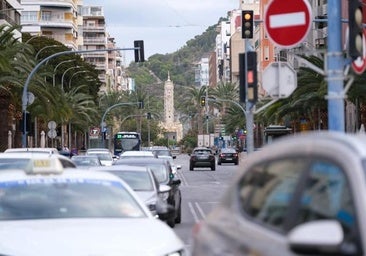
<point>86,161</point>
<point>164,174</point>
<point>301,195</point>
<point>228,155</point>
<point>62,212</point>
<point>202,157</point>
<point>142,180</point>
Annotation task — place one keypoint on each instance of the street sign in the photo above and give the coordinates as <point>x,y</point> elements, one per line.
<point>52,134</point>
<point>279,80</point>
<point>94,133</point>
<point>287,23</point>
<point>52,125</point>
<point>359,64</point>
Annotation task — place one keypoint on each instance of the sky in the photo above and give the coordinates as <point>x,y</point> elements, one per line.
<point>164,25</point>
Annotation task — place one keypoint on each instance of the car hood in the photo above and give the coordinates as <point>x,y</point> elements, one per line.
<point>147,196</point>
<point>86,237</point>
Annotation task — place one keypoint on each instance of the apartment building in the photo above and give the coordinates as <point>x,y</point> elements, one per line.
<point>51,18</point>
<point>10,14</point>
<point>95,38</point>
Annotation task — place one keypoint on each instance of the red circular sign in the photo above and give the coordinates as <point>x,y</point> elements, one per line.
<point>287,23</point>
<point>359,64</point>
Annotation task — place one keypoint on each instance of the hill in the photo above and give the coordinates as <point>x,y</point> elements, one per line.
<point>180,64</point>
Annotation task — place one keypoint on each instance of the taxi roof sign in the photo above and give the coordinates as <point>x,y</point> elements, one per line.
<point>46,165</point>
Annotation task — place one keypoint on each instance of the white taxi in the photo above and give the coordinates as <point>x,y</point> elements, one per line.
<point>49,210</point>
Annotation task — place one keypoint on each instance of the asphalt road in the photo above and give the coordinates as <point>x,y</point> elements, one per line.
<point>201,189</point>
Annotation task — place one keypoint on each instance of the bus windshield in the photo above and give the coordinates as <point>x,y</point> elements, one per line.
<point>124,141</point>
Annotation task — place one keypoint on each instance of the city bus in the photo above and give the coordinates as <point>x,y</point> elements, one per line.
<point>126,141</point>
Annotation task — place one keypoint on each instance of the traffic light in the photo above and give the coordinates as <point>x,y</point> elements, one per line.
<point>355,19</point>
<point>139,50</point>
<point>248,75</point>
<point>203,101</point>
<point>247,24</point>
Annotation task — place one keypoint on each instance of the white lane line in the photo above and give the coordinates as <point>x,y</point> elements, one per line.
<point>287,20</point>
<point>200,210</point>
<point>195,216</point>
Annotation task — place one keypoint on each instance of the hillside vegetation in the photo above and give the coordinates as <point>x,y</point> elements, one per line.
<point>180,64</point>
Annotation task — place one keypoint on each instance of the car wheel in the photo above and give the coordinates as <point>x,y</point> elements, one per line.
<point>191,167</point>
<point>219,162</point>
<point>237,162</point>
<point>213,167</point>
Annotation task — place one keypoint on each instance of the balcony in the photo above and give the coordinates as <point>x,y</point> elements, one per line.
<point>94,41</point>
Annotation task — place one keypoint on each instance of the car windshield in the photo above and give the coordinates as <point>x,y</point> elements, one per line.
<point>160,172</point>
<point>202,152</point>
<point>162,152</point>
<point>138,181</point>
<point>40,198</point>
<point>12,163</point>
<point>102,156</point>
<point>86,161</point>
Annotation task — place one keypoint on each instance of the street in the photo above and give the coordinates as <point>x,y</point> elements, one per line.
<point>201,190</point>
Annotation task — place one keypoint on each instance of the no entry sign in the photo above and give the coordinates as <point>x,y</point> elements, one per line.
<point>287,23</point>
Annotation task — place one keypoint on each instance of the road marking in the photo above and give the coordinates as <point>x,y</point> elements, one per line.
<point>200,210</point>
<point>287,20</point>
<point>191,208</point>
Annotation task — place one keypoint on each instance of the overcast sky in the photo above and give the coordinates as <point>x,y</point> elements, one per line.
<point>164,25</point>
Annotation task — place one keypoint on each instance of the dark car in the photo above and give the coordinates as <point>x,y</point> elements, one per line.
<point>228,155</point>
<point>164,174</point>
<point>202,157</point>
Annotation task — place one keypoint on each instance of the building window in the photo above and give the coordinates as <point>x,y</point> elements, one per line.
<point>46,15</point>
<point>29,16</point>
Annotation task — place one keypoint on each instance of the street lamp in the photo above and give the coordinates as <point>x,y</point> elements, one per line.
<point>81,71</point>
<point>46,47</point>
<point>54,71</point>
<point>63,75</point>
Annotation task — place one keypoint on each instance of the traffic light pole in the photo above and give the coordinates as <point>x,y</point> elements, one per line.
<point>248,105</point>
<point>335,74</point>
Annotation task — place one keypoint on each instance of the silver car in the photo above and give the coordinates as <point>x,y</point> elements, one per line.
<point>142,180</point>
<point>304,194</point>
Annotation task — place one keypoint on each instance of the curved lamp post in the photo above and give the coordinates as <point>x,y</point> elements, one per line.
<point>46,47</point>
<point>54,71</point>
<point>78,72</point>
<point>63,75</point>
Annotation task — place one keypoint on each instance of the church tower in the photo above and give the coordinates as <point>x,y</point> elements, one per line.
<point>169,101</point>
<point>174,129</point>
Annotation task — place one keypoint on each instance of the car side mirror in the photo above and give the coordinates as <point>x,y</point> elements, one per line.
<point>176,182</point>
